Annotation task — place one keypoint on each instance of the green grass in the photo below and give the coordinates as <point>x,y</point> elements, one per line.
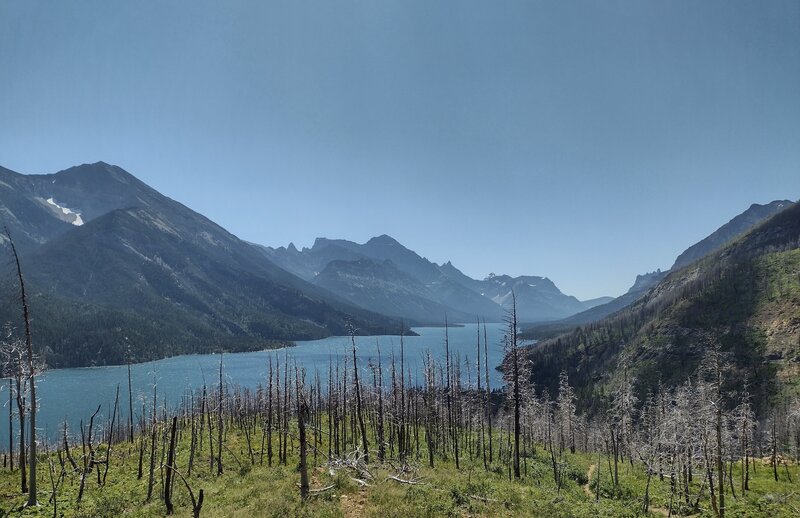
<point>254,490</point>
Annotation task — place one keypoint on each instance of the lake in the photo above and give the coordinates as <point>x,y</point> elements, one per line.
<point>73,394</point>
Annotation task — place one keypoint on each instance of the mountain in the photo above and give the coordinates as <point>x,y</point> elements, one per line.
<point>444,287</point>
<point>731,230</point>
<point>599,301</point>
<point>538,299</point>
<point>127,267</point>
<point>382,287</point>
<point>596,312</point>
<point>745,296</point>
<point>460,302</point>
<point>724,235</point>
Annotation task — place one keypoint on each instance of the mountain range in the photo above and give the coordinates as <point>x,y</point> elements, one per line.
<point>387,277</point>
<point>116,271</point>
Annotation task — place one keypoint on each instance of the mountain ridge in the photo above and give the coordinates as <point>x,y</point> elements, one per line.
<point>157,271</point>
<point>725,234</point>
<point>445,285</point>
<point>746,296</point>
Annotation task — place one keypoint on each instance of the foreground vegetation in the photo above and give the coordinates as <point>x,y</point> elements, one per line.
<point>379,447</point>
<point>254,489</point>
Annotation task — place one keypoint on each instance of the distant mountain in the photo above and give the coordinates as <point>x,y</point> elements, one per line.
<point>597,312</point>
<point>438,287</point>
<point>726,234</point>
<point>101,247</point>
<point>382,287</point>
<point>731,230</point>
<point>599,301</point>
<point>444,287</point>
<point>745,296</point>
<point>538,299</point>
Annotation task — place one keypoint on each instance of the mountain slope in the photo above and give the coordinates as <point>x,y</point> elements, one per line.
<point>745,296</point>
<point>30,218</point>
<point>640,288</point>
<point>167,278</point>
<point>731,230</point>
<point>538,299</point>
<point>444,285</point>
<point>599,301</point>
<point>724,235</point>
<point>383,288</point>
<point>441,292</point>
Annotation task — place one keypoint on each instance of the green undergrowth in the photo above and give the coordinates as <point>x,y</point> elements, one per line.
<point>248,490</point>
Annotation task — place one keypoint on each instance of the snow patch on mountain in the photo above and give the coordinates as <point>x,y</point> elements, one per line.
<point>69,215</point>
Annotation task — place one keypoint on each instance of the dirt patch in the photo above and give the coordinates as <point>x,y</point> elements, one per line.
<point>353,504</point>
<point>587,486</point>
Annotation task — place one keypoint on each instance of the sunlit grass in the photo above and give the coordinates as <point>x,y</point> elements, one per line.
<point>246,490</point>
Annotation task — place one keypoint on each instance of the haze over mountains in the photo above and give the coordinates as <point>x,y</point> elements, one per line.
<point>143,275</point>
<point>116,270</point>
<point>364,273</point>
<point>723,236</point>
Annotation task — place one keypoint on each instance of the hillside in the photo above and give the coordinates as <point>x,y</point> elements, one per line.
<point>730,231</point>
<point>141,271</point>
<point>726,234</point>
<point>746,297</point>
<point>597,312</point>
<point>383,288</point>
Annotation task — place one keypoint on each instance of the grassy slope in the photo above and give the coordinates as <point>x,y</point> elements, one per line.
<point>246,490</point>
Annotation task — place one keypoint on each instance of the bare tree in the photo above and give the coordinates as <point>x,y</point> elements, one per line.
<point>361,425</point>
<point>515,375</point>
<point>32,495</point>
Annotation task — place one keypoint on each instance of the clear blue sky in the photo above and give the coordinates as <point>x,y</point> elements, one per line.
<point>583,141</point>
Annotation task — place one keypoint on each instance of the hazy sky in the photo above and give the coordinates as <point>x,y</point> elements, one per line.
<point>583,141</point>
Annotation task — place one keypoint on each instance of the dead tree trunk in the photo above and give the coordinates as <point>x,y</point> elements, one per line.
<point>269,417</point>
<point>110,438</point>
<point>170,467</point>
<point>32,500</point>
<point>130,403</point>
<point>361,425</point>
<point>219,421</point>
<point>515,379</point>
<point>10,426</point>
<point>302,414</point>
<point>487,401</point>
<point>151,473</point>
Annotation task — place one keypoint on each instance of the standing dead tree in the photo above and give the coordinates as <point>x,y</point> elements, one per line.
<point>362,427</point>
<point>170,467</point>
<point>515,375</point>
<point>302,417</point>
<point>31,376</point>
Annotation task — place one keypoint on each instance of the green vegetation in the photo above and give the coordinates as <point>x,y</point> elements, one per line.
<point>752,307</point>
<point>255,489</point>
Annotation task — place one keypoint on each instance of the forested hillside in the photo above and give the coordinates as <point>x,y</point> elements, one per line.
<point>745,297</point>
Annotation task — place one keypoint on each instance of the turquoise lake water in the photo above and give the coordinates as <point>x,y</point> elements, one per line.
<point>74,394</point>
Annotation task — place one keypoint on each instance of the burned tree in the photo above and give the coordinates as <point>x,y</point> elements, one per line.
<point>515,375</point>
<point>31,376</point>
<point>359,412</point>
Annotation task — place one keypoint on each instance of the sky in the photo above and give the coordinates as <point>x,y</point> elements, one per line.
<point>583,141</point>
